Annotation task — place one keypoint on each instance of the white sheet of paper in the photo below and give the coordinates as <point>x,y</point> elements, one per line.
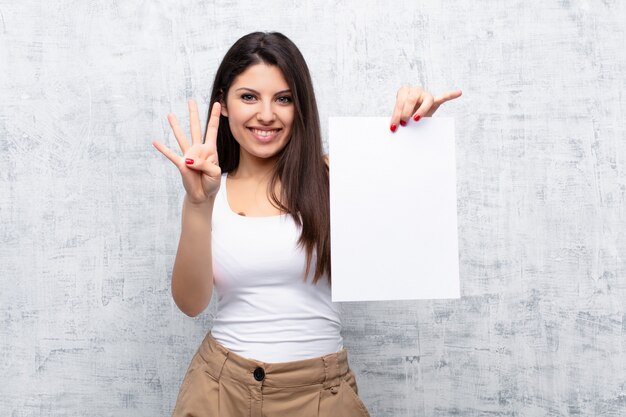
<point>393,213</point>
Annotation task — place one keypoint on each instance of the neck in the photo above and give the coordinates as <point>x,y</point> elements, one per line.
<point>252,167</point>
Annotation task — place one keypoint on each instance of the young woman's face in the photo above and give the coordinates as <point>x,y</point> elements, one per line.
<point>260,111</point>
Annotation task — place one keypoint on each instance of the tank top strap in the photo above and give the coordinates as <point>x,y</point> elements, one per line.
<point>220,205</point>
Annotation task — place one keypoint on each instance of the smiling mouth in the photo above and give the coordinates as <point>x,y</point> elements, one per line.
<point>264,134</point>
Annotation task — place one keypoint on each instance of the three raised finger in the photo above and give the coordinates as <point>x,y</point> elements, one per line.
<point>169,154</point>
<point>179,134</point>
<point>194,122</point>
<point>210,137</point>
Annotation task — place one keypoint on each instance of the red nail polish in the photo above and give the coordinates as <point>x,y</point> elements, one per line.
<point>402,122</point>
<point>188,161</point>
<point>393,127</point>
<point>417,117</point>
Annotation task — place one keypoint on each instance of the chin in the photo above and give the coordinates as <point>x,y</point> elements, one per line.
<point>266,155</point>
<point>266,152</point>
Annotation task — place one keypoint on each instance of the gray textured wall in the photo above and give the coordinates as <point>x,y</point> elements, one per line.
<point>90,212</point>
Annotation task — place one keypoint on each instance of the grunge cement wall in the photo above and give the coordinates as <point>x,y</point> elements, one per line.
<point>90,212</point>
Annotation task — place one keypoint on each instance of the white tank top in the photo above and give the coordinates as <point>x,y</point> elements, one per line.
<point>265,310</point>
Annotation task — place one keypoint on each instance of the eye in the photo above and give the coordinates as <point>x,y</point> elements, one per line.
<point>285,99</point>
<point>247,97</point>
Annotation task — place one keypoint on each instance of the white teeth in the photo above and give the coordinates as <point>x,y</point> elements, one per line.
<point>264,133</point>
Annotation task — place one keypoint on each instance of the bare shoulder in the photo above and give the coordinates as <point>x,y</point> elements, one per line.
<point>326,159</point>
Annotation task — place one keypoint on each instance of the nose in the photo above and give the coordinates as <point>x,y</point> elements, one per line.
<point>266,113</point>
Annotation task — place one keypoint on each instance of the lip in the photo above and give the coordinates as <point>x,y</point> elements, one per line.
<point>264,139</point>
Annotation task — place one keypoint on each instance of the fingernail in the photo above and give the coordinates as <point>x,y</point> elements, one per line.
<point>393,127</point>
<point>417,117</point>
<point>188,161</point>
<point>402,122</point>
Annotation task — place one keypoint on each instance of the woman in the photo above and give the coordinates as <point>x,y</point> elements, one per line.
<point>255,223</point>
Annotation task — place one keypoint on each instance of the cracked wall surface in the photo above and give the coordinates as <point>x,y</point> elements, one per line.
<point>90,211</point>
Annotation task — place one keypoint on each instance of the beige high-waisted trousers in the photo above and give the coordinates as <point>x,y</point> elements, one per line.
<point>220,383</point>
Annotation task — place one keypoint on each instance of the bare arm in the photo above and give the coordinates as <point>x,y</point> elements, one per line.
<point>192,276</point>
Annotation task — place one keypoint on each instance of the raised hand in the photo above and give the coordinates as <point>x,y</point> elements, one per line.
<point>415,103</point>
<point>199,165</point>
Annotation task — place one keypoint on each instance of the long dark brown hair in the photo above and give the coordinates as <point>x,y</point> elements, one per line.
<point>300,169</point>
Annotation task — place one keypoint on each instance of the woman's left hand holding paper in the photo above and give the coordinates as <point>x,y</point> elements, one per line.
<point>413,102</point>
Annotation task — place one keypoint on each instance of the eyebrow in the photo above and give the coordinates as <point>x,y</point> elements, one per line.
<point>256,92</point>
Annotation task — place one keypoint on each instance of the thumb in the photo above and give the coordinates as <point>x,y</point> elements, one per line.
<point>208,167</point>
